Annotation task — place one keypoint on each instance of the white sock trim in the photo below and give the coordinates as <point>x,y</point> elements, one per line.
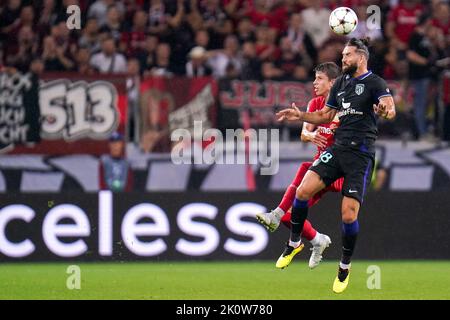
<point>344,266</point>
<point>294,244</point>
<point>316,240</point>
<point>279,212</point>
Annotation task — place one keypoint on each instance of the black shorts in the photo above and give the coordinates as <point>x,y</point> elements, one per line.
<point>341,161</point>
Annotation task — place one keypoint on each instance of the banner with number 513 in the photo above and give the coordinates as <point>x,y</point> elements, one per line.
<point>79,113</point>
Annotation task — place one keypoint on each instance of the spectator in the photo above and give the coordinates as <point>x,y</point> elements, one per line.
<point>251,65</point>
<point>62,36</point>
<point>330,51</point>
<point>180,38</point>
<point>194,18</point>
<point>260,13</point>
<point>301,41</point>
<point>99,9</point>
<point>161,20</point>
<point>47,16</point>
<point>196,66</point>
<point>90,36</point>
<point>265,45</point>
<point>270,72</point>
<point>214,17</point>
<point>236,9</point>
<point>82,59</point>
<point>441,20</point>
<point>20,17</point>
<point>10,17</point>
<point>315,20</point>
<point>114,170</point>
<point>226,59</point>
<point>202,39</point>
<point>130,7</point>
<point>25,51</point>
<point>439,61</point>
<point>162,65</point>
<point>108,60</point>
<point>396,64</point>
<point>147,55</point>
<point>37,66</point>
<point>290,59</point>
<point>245,31</point>
<point>54,57</point>
<point>294,6</point>
<point>279,15</point>
<point>402,20</point>
<point>300,73</point>
<point>26,19</point>
<point>420,60</point>
<point>27,16</point>
<point>132,41</point>
<point>113,24</point>
<point>209,15</point>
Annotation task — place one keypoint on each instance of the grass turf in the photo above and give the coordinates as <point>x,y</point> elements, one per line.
<point>223,280</point>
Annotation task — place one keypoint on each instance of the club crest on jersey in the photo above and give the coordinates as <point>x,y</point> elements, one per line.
<point>359,89</point>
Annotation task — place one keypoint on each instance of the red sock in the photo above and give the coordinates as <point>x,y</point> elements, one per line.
<point>288,198</point>
<point>286,220</point>
<point>308,230</point>
<point>289,195</point>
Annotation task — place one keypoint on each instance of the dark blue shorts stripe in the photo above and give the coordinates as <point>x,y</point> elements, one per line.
<point>365,179</point>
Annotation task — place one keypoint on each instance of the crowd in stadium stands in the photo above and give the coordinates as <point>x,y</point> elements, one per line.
<point>243,39</point>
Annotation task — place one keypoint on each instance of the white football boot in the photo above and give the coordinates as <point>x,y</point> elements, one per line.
<point>317,250</point>
<point>270,220</point>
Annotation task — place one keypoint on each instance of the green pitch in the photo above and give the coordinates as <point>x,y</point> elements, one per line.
<point>224,280</point>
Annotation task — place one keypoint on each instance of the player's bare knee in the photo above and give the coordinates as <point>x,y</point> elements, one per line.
<point>303,194</point>
<point>347,219</point>
<point>349,213</point>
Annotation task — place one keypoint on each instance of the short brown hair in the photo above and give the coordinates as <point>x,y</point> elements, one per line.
<point>331,69</point>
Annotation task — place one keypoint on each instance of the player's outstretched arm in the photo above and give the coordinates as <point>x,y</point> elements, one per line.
<point>324,115</point>
<point>385,108</point>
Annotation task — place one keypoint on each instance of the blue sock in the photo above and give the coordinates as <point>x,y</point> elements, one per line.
<point>298,217</point>
<point>350,228</point>
<point>349,236</point>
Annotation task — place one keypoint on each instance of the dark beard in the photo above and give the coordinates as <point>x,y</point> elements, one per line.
<point>350,70</point>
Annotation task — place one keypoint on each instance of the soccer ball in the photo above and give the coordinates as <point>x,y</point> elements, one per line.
<point>343,20</point>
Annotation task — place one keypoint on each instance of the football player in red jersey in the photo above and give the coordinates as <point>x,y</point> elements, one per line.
<point>322,137</point>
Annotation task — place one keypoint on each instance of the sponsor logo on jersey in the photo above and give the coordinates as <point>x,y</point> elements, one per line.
<point>346,105</point>
<point>347,110</point>
<point>325,130</point>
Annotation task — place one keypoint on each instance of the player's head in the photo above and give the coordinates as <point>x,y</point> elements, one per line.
<point>326,74</point>
<point>355,55</point>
